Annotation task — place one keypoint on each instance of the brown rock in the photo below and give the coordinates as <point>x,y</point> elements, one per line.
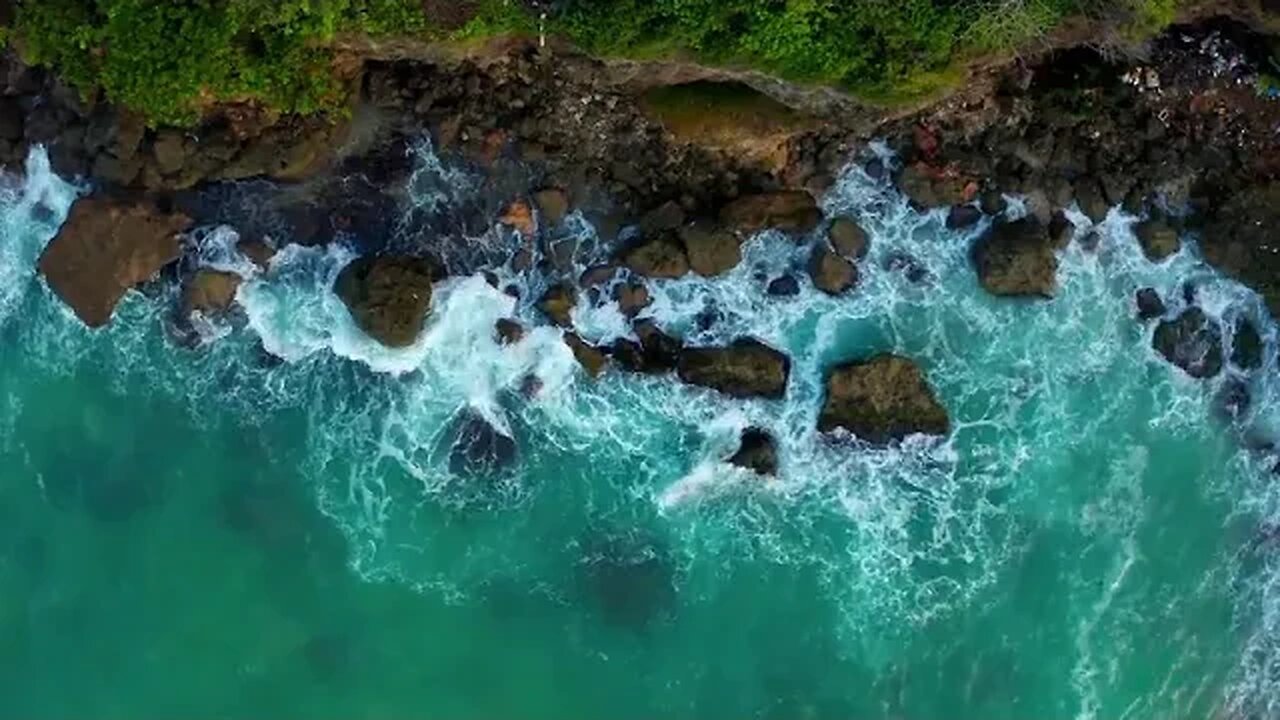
<point>1158,240</point>
<point>632,297</point>
<point>1016,259</point>
<point>711,252</point>
<point>747,368</point>
<point>880,400</point>
<point>589,356</point>
<point>659,258</point>
<point>928,187</point>
<point>519,216</point>
<point>786,210</point>
<point>831,273</point>
<point>509,331</point>
<point>558,303</point>
<point>656,352</point>
<point>667,216</point>
<point>258,251</point>
<point>171,150</point>
<point>106,247</point>
<point>388,296</point>
<point>553,205</point>
<point>210,291</point>
<point>848,238</point>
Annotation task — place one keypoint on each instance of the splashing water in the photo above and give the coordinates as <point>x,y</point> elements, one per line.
<point>1090,541</point>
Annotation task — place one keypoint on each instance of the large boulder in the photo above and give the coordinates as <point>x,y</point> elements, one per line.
<point>711,252</point>
<point>831,273</point>
<point>1246,345</point>
<point>1016,259</point>
<point>1239,238</point>
<point>389,296</point>
<point>747,368</point>
<point>848,238</point>
<point>558,303</point>
<point>478,447</point>
<point>655,353</point>
<point>1192,341</point>
<point>105,248</point>
<point>658,258</point>
<point>786,210</point>
<point>210,291</point>
<point>756,452</point>
<point>1157,238</point>
<point>1150,305</point>
<point>880,400</point>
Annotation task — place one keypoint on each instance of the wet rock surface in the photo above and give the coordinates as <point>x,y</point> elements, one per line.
<point>880,400</point>
<point>389,297</point>
<point>756,452</point>
<point>1149,304</point>
<point>478,448</point>
<point>831,273</point>
<point>1016,259</point>
<point>210,291</point>
<point>747,368</point>
<point>1192,341</point>
<point>790,211</point>
<point>105,248</point>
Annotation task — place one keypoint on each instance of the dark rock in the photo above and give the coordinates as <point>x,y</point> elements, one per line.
<point>929,188</point>
<point>597,275</point>
<point>910,267</point>
<point>628,577</point>
<point>104,249</point>
<point>1016,259</point>
<point>210,292</point>
<point>665,217</point>
<point>848,238</point>
<point>478,447</point>
<point>831,273</point>
<point>388,296</point>
<point>992,202</point>
<point>747,368</point>
<point>632,297</point>
<point>558,303</point>
<point>963,216</point>
<point>880,400</point>
<point>1246,345</point>
<point>553,205</point>
<point>1158,240</point>
<point>787,210</point>
<point>711,252</point>
<point>258,252</point>
<point>659,258</point>
<point>1233,398</point>
<point>1061,230</point>
<point>655,353</point>
<point>591,358</point>
<point>170,150</point>
<point>1239,239</point>
<point>756,452</point>
<point>11,119</point>
<point>1091,200</point>
<point>784,286</point>
<point>509,331</point>
<point>1192,341</point>
<point>1150,306</point>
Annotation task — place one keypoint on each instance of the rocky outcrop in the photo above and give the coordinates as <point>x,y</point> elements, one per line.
<point>1239,237</point>
<point>508,331</point>
<point>1246,345</point>
<point>658,258</point>
<point>389,296</point>
<point>883,399</point>
<point>591,358</point>
<point>1016,259</point>
<point>756,452</point>
<point>632,297</point>
<point>553,205</point>
<point>1192,341</point>
<point>747,368</point>
<point>1158,239</point>
<point>210,292</point>
<point>831,273</point>
<point>788,210</point>
<point>653,351</point>
<point>711,251</point>
<point>929,187</point>
<point>478,447</point>
<point>558,303</point>
<point>105,248</point>
<point>848,238</point>
<point>1149,304</point>
<point>784,286</point>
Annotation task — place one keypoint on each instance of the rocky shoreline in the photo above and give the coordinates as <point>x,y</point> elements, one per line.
<point>1183,139</point>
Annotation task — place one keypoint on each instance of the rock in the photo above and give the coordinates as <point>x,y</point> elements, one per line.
<point>667,216</point>
<point>656,352</point>
<point>553,205</point>
<point>104,249</point>
<point>258,251</point>
<point>786,210</point>
<point>519,216</point>
<point>508,331</point>
<point>784,286</point>
<point>880,400</point>
<point>711,252</point>
<point>170,150</point>
<point>747,368</point>
<point>388,296</point>
<point>589,356</point>
<point>963,216</point>
<point>659,258</point>
<point>1233,398</point>
<point>1061,230</point>
<point>992,202</point>
<point>597,275</point>
<point>756,452</point>
<point>1091,200</point>
<point>628,577</point>
<point>11,119</point>
<point>1239,239</point>
<point>210,291</point>
<point>1150,306</point>
<point>848,238</point>
<point>911,268</point>
<point>558,303</point>
<point>831,273</point>
<point>1246,345</point>
<point>632,297</point>
<point>478,447</point>
<point>927,187</point>
<point>1158,240</point>
<point>1192,341</point>
<point>1016,259</point>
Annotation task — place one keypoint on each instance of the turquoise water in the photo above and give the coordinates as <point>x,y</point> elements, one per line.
<point>203,533</point>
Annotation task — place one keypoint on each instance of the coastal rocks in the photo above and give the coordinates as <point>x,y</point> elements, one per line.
<point>1016,259</point>
<point>831,273</point>
<point>784,286</point>
<point>1149,304</point>
<point>105,248</point>
<point>793,211</point>
<point>655,353</point>
<point>558,303</point>
<point>756,452</point>
<point>210,292</point>
<point>591,358</point>
<point>1239,238</point>
<point>1246,345</point>
<point>880,400</point>
<point>1158,240</point>
<point>628,576</point>
<point>658,258</point>
<point>929,187</point>
<point>478,447</point>
<point>518,215</point>
<point>848,238</point>
<point>710,252</point>
<point>1192,341</point>
<point>388,296</point>
<point>747,368</point>
<point>508,331</point>
<point>960,217</point>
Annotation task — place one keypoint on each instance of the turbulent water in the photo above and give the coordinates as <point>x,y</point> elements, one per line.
<point>213,533</point>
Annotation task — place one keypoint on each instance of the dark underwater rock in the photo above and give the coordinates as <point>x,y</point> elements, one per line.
<point>747,368</point>
<point>784,286</point>
<point>880,400</point>
<point>756,452</point>
<point>629,577</point>
<point>1192,341</point>
<point>478,448</point>
<point>710,251</point>
<point>1016,259</point>
<point>848,238</point>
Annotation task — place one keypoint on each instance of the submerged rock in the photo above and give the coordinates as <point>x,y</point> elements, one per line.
<point>747,368</point>
<point>478,447</point>
<point>388,296</point>
<point>210,291</point>
<point>1016,259</point>
<point>831,273</point>
<point>1158,240</point>
<point>1246,345</point>
<point>1192,341</point>
<point>786,210</point>
<point>756,452</point>
<point>1150,306</point>
<point>711,252</point>
<point>658,258</point>
<point>880,400</point>
<point>629,577</point>
<point>105,248</point>
<point>632,297</point>
<point>656,352</point>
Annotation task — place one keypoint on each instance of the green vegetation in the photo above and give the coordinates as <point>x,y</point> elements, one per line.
<point>170,58</point>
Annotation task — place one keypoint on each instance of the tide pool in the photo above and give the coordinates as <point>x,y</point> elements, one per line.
<point>212,533</point>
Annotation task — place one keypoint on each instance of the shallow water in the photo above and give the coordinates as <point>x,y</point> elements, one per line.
<point>209,534</point>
